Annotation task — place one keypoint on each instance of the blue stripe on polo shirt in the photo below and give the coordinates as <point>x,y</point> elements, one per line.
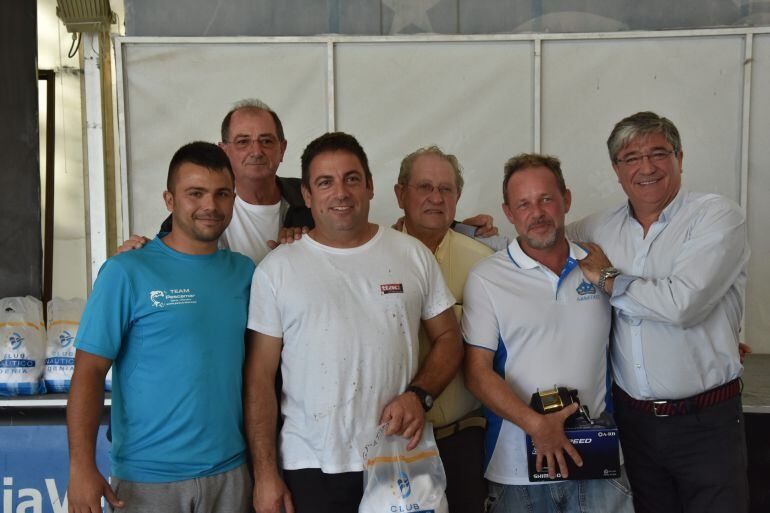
<point>508,249</point>
<point>568,267</point>
<point>494,421</point>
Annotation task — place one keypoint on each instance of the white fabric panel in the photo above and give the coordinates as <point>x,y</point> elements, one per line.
<point>588,86</point>
<point>472,99</point>
<point>475,99</point>
<point>177,93</point>
<point>758,291</point>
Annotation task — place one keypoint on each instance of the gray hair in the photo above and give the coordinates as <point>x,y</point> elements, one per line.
<point>641,124</point>
<point>253,104</point>
<point>405,173</point>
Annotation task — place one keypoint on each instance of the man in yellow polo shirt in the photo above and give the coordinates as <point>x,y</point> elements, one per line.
<point>429,185</point>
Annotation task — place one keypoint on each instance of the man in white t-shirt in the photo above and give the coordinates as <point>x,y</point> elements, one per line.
<point>531,320</point>
<point>254,141</point>
<point>340,311</point>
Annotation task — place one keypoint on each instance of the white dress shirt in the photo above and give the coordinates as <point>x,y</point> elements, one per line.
<point>679,299</point>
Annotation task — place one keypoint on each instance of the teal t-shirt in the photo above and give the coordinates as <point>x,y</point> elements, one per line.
<point>174,326</point>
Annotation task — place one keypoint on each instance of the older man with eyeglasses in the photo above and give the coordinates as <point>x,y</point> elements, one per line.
<point>675,271</point>
<point>429,186</point>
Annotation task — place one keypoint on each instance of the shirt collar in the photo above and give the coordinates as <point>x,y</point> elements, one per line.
<point>524,261</point>
<point>668,212</point>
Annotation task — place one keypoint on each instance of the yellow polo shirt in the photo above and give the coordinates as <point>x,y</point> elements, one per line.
<point>456,255</point>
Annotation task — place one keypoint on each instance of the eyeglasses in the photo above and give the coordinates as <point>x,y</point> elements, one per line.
<point>265,141</point>
<point>635,159</point>
<point>426,188</point>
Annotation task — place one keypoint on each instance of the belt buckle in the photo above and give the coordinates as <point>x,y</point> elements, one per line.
<point>655,405</point>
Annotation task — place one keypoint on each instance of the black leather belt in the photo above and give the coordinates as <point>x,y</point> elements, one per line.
<point>666,408</point>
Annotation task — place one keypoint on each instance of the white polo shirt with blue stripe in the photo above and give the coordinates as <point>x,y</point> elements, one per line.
<point>545,330</point>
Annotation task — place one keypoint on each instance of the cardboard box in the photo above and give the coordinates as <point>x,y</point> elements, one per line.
<point>598,446</point>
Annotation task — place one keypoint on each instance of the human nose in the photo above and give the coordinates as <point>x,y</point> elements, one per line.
<point>340,189</point>
<point>208,202</point>
<point>435,195</point>
<point>645,163</point>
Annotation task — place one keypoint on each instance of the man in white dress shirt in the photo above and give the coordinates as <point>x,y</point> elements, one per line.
<point>675,270</point>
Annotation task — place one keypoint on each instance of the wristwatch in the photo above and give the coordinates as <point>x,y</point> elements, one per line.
<point>605,274</point>
<point>425,398</point>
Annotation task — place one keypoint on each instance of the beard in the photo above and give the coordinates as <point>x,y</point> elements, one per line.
<point>546,241</point>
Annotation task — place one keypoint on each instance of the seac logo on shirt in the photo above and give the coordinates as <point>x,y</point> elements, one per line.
<point>171,297</point>
<point>392,288</point>
<point>586,291</point>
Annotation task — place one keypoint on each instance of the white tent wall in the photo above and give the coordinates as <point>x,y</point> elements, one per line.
<point>758,297</point>
<point>484,98</point>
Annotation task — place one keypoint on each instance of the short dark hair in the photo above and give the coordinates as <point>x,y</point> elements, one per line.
<point>256,105</point>
<point>333,141</point>
<point>641,124</point>
<point>200,153</point>
<point>528,160</point>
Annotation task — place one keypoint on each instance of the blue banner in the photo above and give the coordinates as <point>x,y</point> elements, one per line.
<point>35,467</point>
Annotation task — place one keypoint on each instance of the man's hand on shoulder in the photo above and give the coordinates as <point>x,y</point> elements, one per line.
<point>271,494</point>
<point>133,242</point>
<point>405,417</point>
<point>86,489</point>
<point>287,236</point>
<point>593,264</point>
<point>551,443</point>
<point>484,223</point>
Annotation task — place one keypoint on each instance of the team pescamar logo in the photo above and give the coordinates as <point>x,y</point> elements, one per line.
<point>157,297</point>
<point>392,288</point>
<point>172,297</point>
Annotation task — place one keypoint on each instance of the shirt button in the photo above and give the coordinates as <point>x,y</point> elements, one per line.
<point>638,366</point>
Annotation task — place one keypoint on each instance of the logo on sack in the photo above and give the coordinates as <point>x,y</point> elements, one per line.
<point>65,338</point>
<point>15,339</point>
<point>403,485</point>
<point>392,288</point>
<point>157,297</point>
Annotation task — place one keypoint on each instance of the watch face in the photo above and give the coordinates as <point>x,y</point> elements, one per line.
<point>429,401</point>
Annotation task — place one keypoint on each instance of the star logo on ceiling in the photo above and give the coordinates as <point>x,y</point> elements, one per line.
<point>410,12</point>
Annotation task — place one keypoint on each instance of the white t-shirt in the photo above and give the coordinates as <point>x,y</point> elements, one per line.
<point>252,226</point>
<point>349,319</point>
<point>545,330</point>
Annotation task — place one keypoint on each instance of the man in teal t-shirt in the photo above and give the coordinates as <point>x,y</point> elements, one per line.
<point>170,318</point>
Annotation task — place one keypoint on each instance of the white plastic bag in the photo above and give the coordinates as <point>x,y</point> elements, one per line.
<point>63,321</point>
<point>401,481</point>
<point>22,346</point>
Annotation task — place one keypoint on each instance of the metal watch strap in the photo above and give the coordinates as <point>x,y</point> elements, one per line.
<point>604,275</point>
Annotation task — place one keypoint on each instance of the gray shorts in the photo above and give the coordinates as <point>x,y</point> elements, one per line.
<point>229,492</point>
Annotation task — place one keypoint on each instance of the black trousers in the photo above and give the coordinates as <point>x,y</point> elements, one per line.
<point>312,491</point>
<point>463,456</point>
<point>694,463</point>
